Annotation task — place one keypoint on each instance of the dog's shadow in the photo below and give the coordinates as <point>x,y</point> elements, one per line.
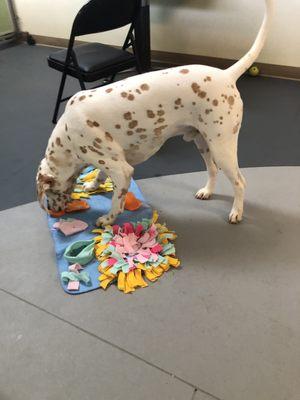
<point>265,236</point>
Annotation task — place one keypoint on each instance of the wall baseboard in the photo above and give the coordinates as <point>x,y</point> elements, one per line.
<point>169,59</point>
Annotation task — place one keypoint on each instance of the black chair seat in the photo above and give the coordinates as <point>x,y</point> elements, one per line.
<point>92,57</point>
<point>93,62</point>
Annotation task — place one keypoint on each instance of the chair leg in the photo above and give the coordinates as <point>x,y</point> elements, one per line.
<point>112,78</point>
<point>81,83</point>
<point>59,96</point>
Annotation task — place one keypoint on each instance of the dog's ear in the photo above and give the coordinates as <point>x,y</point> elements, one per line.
<point>43,183</point>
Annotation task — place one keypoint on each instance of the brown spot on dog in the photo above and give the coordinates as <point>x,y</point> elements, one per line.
<point>90,123</point>
<point>184,71</point>
<point>58,142</point>
<point>144,86</point>
<point>95,150</point>
<point>129,133</point>
<point>115,158</point>
<point>83,149</point>
<point>132,124</point>
<point>95,123</point>
<point>124,94</point>
<point>72,102</point>
<point>139,130</point>
<point>143,136</point>
<point>81,98</point>
<point>97,145</point>
<point>108,90</point>
<point>236,128</point>
<point>160,120</point>
<point>215,102</point>
<point>208,110</point>
<point>138,91</point>
<point>66,127</point>
<point>158,131</point>
<point>108,136</point>
<point>118,126</point>
<point>130,97</point>
<point>194,103</point>
<point>127,116</point>
<point>236,183</point>
<point>122,193</point>
<point>219,134</point>
<point>101,162</point>
<point>98,140</point>
<point>178,102</point>
<point>150,114</point>
<point>195,87</point>
<point>230,100</point>
<point>54,160</point>
<point>160,113</point>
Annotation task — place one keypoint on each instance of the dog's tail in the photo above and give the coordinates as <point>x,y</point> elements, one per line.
<point>237,69</point>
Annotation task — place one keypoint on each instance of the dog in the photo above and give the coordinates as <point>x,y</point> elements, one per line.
<point>118,126</point>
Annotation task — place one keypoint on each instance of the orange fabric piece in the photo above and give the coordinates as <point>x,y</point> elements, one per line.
<point>77,205</point>
<point>131,202</point>
<point>73,206</point>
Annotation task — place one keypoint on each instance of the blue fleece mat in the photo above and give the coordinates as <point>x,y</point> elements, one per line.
<point>99,205</point>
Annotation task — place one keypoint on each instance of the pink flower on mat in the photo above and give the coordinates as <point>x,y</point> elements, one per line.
<point>135,245</point>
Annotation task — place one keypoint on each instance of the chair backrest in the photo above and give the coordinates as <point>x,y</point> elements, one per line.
<point>104,15</point>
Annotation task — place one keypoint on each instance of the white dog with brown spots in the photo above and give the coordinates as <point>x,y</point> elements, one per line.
<point>123,124</point>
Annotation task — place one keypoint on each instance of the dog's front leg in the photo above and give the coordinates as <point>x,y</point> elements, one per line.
<point>121,177</point>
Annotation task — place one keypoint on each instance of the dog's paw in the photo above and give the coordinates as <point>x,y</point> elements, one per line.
<point>203,194</point>
<point>235,216</point>
<point>90,186</point>
<point>105,220</point>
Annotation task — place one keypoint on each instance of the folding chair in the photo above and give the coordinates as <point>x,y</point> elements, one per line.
<point>94,61</point>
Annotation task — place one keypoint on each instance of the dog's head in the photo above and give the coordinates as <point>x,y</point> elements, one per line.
<point>52,194</point>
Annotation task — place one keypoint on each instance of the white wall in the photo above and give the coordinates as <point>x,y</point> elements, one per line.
<point>219,28</point>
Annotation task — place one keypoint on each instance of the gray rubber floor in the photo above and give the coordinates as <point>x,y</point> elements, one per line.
<point>224,326</point>
<point>270,134</point>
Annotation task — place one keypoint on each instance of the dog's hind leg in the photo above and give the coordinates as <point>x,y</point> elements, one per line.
<point>226,158</point>
<point>206,192</point>
<point>121,176</point>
